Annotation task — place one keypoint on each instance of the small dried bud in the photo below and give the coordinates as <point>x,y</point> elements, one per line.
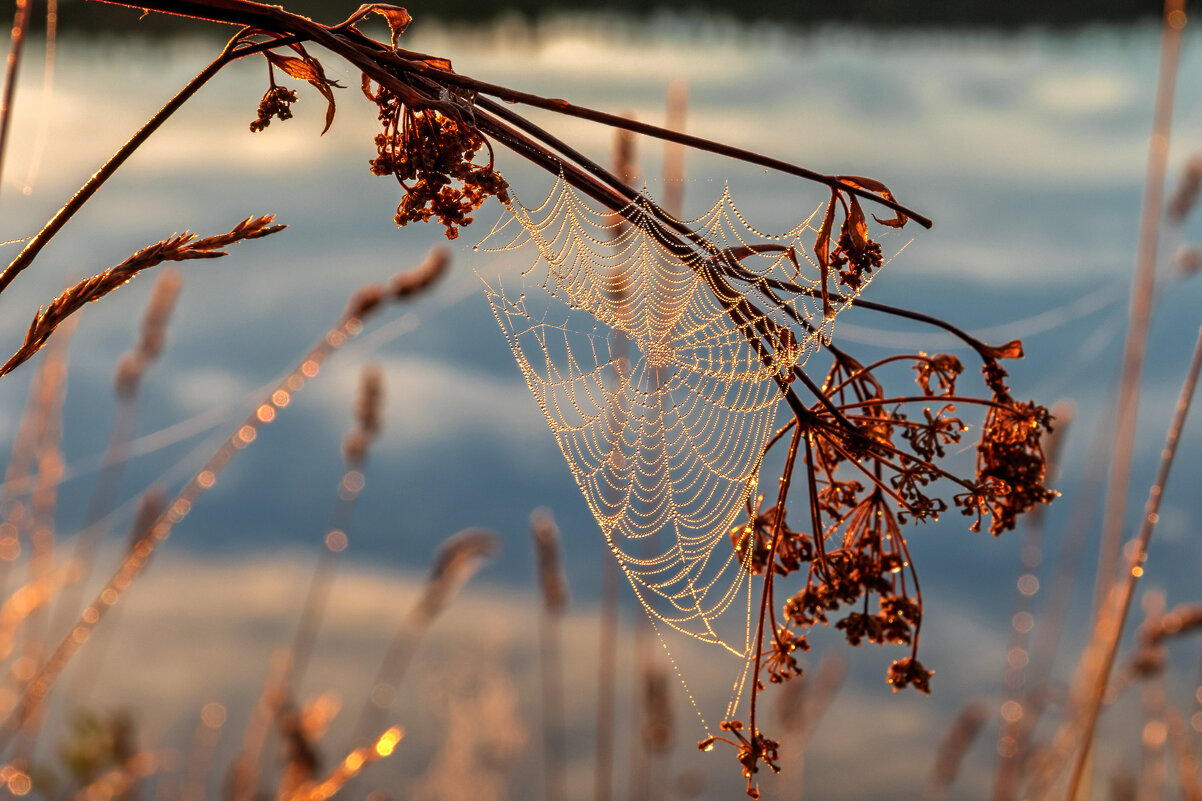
<point>1186,196</point>
<point>546,549</point>
<point>1188,260</point>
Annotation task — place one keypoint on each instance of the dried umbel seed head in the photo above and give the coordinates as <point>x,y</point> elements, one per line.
<point>430,151</point>
<point>277,102</point>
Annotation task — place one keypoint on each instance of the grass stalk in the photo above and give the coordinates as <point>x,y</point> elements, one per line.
<point>1110,628</point>
<point>455,562</point>
<point>126,384</point>
<point>1142,292</point>
<point>555,599</point>
<point>364,303</point>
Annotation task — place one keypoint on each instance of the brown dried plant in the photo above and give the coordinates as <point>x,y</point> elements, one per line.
<point>870,450</point>
<point>180,247</point>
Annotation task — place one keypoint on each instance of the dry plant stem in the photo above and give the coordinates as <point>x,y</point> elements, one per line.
<point>43,504</point>
<point>953,748</point>
<point>356,48</point>
<point>246,770</point>
<point>1141,300</point>
<point>349,767</point>
<point>85,192</point>
<point>181,247</point>
<point>454,563</point>
<point>138,555</point>
<point>19,30</point>
<point>35,245</point>
<point>1110,628</point>
<point>546,547</point>
<point>767,603</point>
<point>607,664</point>
<point>200,757</point>
<point>87,542</point>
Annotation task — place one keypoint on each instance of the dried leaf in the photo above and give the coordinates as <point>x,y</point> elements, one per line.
<point>822,249</point>
<point>857,226</point>
<point>397,17</point>
<point>1011,350</point>
<point>873,185</point>
<point>308,69</point>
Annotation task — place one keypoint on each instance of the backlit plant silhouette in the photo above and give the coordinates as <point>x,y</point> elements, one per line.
<point>684,353</point>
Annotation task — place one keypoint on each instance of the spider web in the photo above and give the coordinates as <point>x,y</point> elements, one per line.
<point>658,400</point>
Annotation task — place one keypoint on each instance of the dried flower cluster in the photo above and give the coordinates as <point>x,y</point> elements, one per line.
<point>872,460</point>
<point>875,460</point>
<point>430,151</point>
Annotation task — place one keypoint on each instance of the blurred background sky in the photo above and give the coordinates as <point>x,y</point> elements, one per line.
<point>1021,130</point>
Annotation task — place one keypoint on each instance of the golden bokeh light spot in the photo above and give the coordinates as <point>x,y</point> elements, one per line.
<point>91,614</point>
<point>1023,622</point>
<point>310,368</point>
<point>206,478</point>
<point>213,715</point>
<point>80,634</point>
<point>1195,722</point>
<point>108,597</point>
<point>336,541</point>
<point>388,741</point>
<point>1028,584</point>
<point>353,761</point>
<point>1012,711</point>
<point>335,339</point>
<point>1176,19</point>
<point>265,413</point>
<point>1155,734</point>
<point>20,783</point>
<point>281,398</point>
<point>247,433</point>
<point>1137,571</point>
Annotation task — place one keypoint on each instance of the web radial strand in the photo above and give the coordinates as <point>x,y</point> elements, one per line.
<point>661,405</point>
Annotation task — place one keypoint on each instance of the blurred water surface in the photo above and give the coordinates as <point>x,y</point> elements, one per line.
<point>1028,150</point>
